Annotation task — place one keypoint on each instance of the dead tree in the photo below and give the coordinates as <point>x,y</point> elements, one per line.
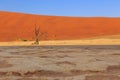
<point>39,35</point>
<point>37,30</point>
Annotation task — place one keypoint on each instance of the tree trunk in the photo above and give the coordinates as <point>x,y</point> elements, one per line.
<point>37,40</point>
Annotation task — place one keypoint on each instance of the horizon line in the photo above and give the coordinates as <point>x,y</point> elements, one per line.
<point>58,15</point>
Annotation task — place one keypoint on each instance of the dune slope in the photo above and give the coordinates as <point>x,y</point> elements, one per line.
<point>14,26</point>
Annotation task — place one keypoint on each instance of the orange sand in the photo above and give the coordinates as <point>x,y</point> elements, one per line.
<point>14,26</point>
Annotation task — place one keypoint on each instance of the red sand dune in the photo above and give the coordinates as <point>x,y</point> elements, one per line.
<point>15,26</point>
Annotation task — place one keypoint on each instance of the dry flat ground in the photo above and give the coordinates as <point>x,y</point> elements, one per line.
<point>60,62</point>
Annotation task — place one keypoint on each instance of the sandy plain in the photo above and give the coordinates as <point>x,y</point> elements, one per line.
<point>100,41</point>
